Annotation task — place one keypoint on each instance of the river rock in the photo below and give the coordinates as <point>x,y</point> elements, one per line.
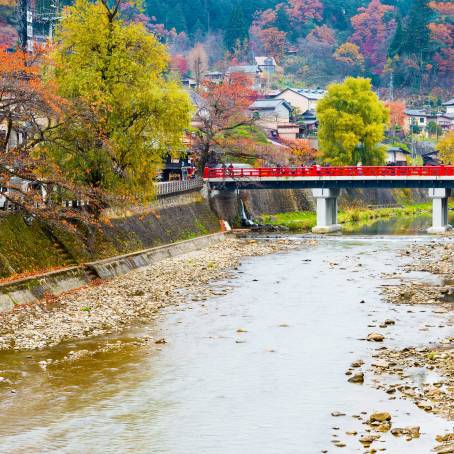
<point>384,427</point>
<point>444,438</point>
<point>357,378</point>
<point>357,363</point>
<point>379,417</point>
<point>375,337</point>
<point>382,364</point>
<point>445,449</point>
<point>367,440</point>
<point>160,341</point>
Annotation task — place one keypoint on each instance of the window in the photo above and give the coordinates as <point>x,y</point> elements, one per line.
<point>422,119</point>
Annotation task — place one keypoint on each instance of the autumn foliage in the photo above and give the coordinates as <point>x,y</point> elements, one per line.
<point>446,148</point>
<point>443,32</point>
<point>372,31</point>
<point>396,113</point>
<point>273,42</point>
<point>301,150</point>
<point>30,109</point>
<point>224,108</point>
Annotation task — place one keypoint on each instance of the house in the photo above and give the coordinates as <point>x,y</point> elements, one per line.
<point>189,83</point>
<point>449,106</point>
<point>416,120</point>
<point>266,64</point>
<point>270,93</point>
<point>396,156</point>
<point>308,124</point>
<point>216,77</point>
<point>271,112</point>
<point>289,131</point>
<point>180,168</point>
<point>445,121</point>
<point>253,71</point>
<point>302,99</point>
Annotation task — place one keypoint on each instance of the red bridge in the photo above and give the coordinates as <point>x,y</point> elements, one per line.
<point>326,182</point>
<point>331,177</point>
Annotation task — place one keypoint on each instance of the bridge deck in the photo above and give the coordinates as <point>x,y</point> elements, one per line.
<point>331,177</point>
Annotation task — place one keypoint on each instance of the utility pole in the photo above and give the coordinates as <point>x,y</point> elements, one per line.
<point>25,25</point>
<point>22,8</point>
<point>391,86</point>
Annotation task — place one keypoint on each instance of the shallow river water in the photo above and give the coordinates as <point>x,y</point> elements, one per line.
<point>211,389</point>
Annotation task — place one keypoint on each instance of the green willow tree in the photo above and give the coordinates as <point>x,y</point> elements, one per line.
<point>352,122</point>
<point>122,114</point>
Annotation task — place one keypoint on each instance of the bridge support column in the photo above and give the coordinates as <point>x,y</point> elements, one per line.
<point>326,210</point>
<point>439,198</point>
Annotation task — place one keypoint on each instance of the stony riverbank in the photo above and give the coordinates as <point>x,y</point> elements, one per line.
<point>424,373</point>
<point>113,306</point>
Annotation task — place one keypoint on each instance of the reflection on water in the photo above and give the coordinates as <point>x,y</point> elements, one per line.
<point>408,225</point>
<point>258,370</point>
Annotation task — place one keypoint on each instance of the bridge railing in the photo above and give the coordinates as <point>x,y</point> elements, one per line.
<point>174,187</point>
<point>318,171</point>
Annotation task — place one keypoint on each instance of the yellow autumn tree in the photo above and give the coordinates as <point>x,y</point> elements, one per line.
<point>352,122</point>
<point>350,59</point>
<point>446,148</point>
<point>123,113</point>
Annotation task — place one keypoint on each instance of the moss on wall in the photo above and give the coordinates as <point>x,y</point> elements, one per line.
<point>25,249</point>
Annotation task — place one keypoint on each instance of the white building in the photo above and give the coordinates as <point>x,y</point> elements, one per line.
<point>449,106</point>
<point>302,99</point>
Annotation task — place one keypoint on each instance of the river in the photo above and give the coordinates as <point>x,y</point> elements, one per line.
<point>258,370</point>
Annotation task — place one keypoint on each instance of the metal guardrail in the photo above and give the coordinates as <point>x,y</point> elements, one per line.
<point>174,187</point>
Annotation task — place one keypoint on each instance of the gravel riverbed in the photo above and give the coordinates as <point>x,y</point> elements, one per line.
<point>434,394</point>
<point>112,306</point>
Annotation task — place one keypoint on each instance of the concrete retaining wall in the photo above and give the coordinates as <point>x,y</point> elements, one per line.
<point>116,266</point>
<point>36,288</point>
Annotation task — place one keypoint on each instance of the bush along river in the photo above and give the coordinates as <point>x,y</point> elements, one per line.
<point>310,345</point>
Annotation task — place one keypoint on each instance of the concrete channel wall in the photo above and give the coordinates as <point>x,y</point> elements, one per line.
<point>36,288</point>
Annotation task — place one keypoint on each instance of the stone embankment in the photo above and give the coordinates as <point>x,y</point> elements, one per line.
<point>136,297</point>
<point>435,360</point>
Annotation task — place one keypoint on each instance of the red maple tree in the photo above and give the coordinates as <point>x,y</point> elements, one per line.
<point>223,108</point>
<point>372,32</point>
<point>396,113</point>
<point>303,11</point>
<point>443,33</point>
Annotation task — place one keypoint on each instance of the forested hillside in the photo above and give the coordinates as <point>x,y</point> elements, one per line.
<point>409,40</point>
<point>404,44</point>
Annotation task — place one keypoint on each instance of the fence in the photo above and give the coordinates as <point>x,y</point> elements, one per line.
<point>174,187</point>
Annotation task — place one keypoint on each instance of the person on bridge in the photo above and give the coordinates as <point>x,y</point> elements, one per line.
<point>359,167</point>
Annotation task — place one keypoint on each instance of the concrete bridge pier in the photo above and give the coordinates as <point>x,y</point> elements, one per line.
<point>326,210</point>
<point>439,198</point>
